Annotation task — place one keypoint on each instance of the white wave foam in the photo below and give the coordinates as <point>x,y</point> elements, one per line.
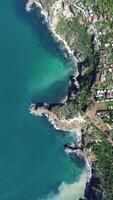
<point>72,191</point>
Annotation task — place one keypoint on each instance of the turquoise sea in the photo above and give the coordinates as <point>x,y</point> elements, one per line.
<point>33,165</point>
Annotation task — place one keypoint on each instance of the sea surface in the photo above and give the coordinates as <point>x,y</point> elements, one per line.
<point>33,164</point>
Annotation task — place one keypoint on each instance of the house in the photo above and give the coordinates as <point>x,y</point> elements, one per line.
<point>94,18</point>
<point>109,94</point>
<point>110,107</point>
<point>103,54</point>
<point>90,30</point>
<point>103,76</point>
<point>90,10</point>
<point>107,45</point>
<point>110,70</point>
<point>100,93</point>
<point>102,114</point>
<point>100,33</point>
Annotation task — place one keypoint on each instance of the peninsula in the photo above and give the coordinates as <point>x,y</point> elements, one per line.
<point>85,28</point>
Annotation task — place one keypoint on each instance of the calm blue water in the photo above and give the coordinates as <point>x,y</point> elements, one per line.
<point>33,164</point>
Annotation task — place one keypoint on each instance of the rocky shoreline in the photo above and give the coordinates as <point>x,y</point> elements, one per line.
<point>60,124</point>
<point>31,4</point>
<point>77,123</point>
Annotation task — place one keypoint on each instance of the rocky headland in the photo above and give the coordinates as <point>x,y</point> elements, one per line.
<point>60,124</point>
<point>53,15</point>
<point>46,14</point>
<point>93,190</point>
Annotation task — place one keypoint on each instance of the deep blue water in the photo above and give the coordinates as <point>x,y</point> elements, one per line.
<point>32,161</point>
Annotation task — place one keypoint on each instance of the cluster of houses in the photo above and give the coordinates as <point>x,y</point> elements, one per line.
<point>104,95</point>
<point>105,115</point>
<point>91,18</point>
<point>98,25</point>
<point>106,73</point>
<point>106,57</point>
<point>87,11</point>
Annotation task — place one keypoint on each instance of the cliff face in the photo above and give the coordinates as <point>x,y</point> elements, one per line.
<point>55,9</point>
<point>65,21</point>
<point>58,15</point>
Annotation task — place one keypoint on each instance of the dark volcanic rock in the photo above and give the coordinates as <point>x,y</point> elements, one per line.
<point>93,189</point>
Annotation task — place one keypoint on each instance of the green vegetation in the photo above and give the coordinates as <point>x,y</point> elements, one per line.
<point>104,154</point>
<point>95,139</point>
<point>62,25</point>
<point>102,148</point>
<point>82,98</point>
<point>80,41</point>
<point>109,118</point>
<point>69,111</point>
<point>111,114</point>
<point>47,3</point>
<point>75,34</point>
<point>83,43</point>
<point>104,6</point>
<point>74,31</point>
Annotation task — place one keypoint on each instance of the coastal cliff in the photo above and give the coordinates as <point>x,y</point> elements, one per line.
<point>61,124</point>
<point>93,190</point>
<point>65,21</point>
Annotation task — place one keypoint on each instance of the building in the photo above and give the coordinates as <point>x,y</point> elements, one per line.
<point>109,94</point>
<point>102,114</point>
<point>100,93</point>
<point>94,18</point>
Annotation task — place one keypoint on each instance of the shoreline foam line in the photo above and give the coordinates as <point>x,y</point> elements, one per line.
<point>66,125</point>
<point>29,6</point>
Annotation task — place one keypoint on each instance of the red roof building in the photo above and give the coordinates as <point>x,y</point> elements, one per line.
<point>94,18</point>
<point>109,94</point>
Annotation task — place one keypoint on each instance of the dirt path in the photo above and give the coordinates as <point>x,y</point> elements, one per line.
<point>91,113</point>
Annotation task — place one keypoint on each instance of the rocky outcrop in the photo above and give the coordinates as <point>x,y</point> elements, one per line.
<point>60,124</point>
<point>94,188</point>
<point>61,17</point>
<point>53,14</point>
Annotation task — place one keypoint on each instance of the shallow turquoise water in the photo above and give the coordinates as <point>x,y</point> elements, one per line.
<point>32,161</point>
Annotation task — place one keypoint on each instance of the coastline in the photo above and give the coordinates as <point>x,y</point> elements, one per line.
<point>60,124</point>
<point>67,125</point>
<point>78,127</point>
<point>69,53</point>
